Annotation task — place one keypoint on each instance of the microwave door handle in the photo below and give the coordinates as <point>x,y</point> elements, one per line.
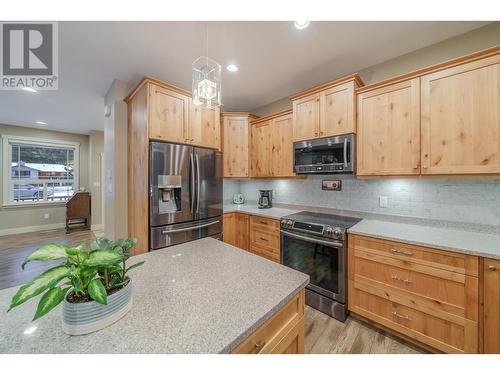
<point>191,182</point>
<point>345,152</point>
<point>336,244</point>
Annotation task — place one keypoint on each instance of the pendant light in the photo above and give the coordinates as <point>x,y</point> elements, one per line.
<point>206,89</point>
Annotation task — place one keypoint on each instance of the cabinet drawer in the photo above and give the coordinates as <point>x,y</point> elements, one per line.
<point>265,238</point>
<point>267,338</point>
<point>414,257</point>
<point>444,335</point>
<point>266,252</point>
<point>444,293</point>
<point>265,224</point>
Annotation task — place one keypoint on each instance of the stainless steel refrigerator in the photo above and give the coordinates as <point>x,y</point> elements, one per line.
<point>185,194</point>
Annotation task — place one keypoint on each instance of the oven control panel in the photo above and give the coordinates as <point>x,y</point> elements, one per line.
<point>327,231</point>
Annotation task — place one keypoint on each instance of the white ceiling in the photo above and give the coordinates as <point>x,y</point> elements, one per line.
<point>274,58</point>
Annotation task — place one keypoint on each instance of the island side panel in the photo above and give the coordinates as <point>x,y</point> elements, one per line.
<point>283,333</point>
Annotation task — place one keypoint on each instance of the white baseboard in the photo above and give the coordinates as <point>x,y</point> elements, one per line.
<point>36,228</point>
<point>97,227</point>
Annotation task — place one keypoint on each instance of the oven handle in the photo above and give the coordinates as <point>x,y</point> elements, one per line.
<point>313,240</point>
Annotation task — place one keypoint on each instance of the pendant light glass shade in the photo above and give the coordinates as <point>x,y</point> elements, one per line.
<point>207,89</point>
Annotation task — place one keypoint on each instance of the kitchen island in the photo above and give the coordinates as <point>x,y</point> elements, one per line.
<point>203,296</point>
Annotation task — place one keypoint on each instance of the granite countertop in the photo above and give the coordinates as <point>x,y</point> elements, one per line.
<point>273,212</point>
<point>463,241</point>
<point>468,238</point>
<point>203,296</point>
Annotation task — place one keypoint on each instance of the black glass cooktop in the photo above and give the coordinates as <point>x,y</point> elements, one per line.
<point>323,219</point>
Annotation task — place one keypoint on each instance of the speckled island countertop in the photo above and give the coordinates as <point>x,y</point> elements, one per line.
<point>203,296</point>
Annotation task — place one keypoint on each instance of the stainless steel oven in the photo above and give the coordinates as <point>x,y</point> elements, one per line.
<point>316,244</point>
<point>325,155</point>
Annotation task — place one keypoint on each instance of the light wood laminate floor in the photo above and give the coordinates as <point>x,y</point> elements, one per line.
<point>324,335</point>
<point>16,247</point>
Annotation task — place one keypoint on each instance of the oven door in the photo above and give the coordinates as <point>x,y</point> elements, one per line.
<point>323,260</point>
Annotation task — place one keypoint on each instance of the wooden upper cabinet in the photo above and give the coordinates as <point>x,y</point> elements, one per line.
<point>282,146</point>
<point>337,110</point>
<point>389,130</point>
<point>260,152</point>
<point>169,113</point>
<point>306,118</point>
<point>236,144</point>
<point>491,274</point>
<point>461,119</point>
<point>204,127</point>
<point>326,110</point>
<point>272,145</point>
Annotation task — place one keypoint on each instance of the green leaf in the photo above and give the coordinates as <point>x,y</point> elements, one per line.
<point>97,292</point>
<point>50,251</point>
<point>46,280</point>
<point>74,251</point>
<point>116,243</point>
<point>103,258</point>
<point>135,265</point>
<point>49,300</point>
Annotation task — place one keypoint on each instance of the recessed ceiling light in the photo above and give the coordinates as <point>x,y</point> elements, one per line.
<point>232,68</point>
<point>30,89</point>
<point>41,123</point>
<point>301,24</point>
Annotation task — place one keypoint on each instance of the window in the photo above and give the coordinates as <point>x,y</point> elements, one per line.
<point>38,171</point>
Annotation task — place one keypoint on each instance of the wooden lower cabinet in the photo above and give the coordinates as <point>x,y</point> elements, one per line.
<point>428,295</point>
<point>235,230</point>
<point>283,333</point>
<point>491,310</point>
<point>265,237</point>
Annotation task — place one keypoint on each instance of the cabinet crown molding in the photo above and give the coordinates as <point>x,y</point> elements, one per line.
<point>239,114</point>
<point>156,82</point>
<point>431,69</point>
<point>271,116</point>
<point>352,77</point>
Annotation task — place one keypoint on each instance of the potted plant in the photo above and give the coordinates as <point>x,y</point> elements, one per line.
<point>92,285</point>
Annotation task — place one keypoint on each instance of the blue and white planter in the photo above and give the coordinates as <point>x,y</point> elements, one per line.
<point>87,317</point>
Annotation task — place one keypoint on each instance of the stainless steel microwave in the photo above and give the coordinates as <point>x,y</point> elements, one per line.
<point>325,155</point>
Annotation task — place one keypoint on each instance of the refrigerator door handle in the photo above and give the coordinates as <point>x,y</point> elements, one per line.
<point>197,183</point>
<point>191,182</point>
<point>170,231</point>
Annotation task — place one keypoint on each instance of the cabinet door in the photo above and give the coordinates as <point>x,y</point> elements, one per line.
<point>306,118</point>
<point>235,146</point>
<point>461,119</point>
<point>229,228</point>
<point>491,306</point>
<point>261,150</point>
<point>204,126</point>
<point>389,130</point>
<point>282,146</point>
<point>242,231</point>
<point>337,110</point>
<point>168,115</point>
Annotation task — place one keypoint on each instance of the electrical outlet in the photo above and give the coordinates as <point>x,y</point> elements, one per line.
<point>46,216</point>
<point>383,201</point>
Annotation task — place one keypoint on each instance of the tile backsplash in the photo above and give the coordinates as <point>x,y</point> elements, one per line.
<point>470,201</point>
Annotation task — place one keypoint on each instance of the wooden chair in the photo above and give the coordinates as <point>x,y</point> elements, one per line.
<point>78,211</point>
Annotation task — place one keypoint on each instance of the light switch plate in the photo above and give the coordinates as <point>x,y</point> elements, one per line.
<point>383,201</point>
<point>335,185</point>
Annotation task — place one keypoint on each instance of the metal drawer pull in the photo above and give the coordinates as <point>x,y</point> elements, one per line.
<point>397,278</point>
<point>405,317</point>
<point>397,251</point>
<point>259,346</point>
<point>264,239</point>
<point>492,268</point>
